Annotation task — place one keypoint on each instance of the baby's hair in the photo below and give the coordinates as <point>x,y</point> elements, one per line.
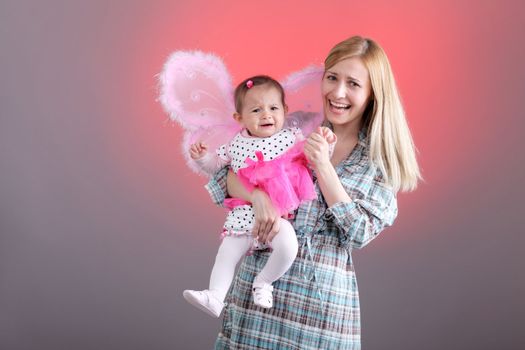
<point>243,87</point>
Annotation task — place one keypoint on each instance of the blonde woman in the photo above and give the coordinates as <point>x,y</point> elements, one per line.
<point>316,305</point>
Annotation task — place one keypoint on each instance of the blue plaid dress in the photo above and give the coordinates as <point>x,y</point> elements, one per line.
<point>316,303</point>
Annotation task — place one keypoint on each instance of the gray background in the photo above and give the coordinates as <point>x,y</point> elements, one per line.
<point>97,231</point>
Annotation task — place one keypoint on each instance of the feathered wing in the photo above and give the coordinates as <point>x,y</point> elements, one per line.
<point>303,97</point>
<point>196,91</point>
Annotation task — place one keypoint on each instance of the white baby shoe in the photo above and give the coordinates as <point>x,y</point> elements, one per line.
<point>204,300</point>
<point>262,295</point>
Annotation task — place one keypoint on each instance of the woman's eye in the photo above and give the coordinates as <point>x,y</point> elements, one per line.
<point>353,84</point>
<point>331,77</point>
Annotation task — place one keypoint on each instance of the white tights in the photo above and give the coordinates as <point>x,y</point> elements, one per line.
<point>233,248</point>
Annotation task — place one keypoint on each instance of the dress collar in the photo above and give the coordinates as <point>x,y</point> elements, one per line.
<point>360,150</point>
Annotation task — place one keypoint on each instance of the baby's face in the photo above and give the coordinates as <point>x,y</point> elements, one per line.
<point>262,112</point>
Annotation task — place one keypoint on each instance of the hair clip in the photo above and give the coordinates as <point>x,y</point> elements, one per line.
<point>249,84</point>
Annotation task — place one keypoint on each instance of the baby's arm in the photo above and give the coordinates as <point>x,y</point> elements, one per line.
<point>198,150</point>
<point>209,162</point>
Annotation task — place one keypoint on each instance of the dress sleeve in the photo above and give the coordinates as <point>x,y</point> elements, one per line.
<point>223,153</point>
<point>373,208</point>
<point>216,187</point>
<point>211,162</point>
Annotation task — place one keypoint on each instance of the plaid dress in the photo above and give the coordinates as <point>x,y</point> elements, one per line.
<point>316,303</point>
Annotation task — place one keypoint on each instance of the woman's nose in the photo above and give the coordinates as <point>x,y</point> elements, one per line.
<point>339,90</point>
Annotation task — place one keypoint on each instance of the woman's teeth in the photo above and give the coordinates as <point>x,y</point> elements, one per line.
<point>339,105</point>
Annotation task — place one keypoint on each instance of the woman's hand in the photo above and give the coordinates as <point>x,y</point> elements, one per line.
<point>327,134</point>
<point>266,223</point>
<point>316,149</point>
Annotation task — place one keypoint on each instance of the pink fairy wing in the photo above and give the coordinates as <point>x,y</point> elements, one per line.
<point>303,96</point>
<point>214,137</point>
<point>196,90</point>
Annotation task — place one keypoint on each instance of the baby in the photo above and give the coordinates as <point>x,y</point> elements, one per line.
<point>267,156</point>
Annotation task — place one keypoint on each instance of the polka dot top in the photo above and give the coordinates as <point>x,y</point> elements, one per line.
<point>243,145</point>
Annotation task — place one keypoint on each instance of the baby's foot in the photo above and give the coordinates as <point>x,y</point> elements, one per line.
<point>204,300</point>
<point>262,295</point>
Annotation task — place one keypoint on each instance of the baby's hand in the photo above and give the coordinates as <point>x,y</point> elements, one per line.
<point>327,134</point>
<point>198,150</point>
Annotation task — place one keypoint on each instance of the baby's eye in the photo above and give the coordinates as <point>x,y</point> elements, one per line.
<point>274,108</point>
<point>256,110</point>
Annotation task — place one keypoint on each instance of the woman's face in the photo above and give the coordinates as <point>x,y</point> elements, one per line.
<point>346,91</point>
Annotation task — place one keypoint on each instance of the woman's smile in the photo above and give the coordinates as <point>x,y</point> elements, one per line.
<point>337,107</point>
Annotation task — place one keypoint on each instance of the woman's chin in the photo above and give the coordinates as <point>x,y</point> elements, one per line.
<point>336,118</point>
<point>345,120</point>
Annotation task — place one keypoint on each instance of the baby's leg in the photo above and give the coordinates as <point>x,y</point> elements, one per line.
<point>285,247</point>
<point>231,250</point>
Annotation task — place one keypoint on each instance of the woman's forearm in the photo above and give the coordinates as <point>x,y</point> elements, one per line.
<point>317,151</point>
<point>235,188</point>
<point>330,185</point>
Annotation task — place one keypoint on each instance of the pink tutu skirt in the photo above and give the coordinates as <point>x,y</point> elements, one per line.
<point>286,179</point>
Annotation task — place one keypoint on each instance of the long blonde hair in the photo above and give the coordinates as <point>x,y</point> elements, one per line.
<point>391,146</point>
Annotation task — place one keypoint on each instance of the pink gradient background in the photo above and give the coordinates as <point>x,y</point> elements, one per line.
<point>102,225</point>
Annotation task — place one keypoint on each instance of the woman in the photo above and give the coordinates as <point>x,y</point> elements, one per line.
<point>316,304</point>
